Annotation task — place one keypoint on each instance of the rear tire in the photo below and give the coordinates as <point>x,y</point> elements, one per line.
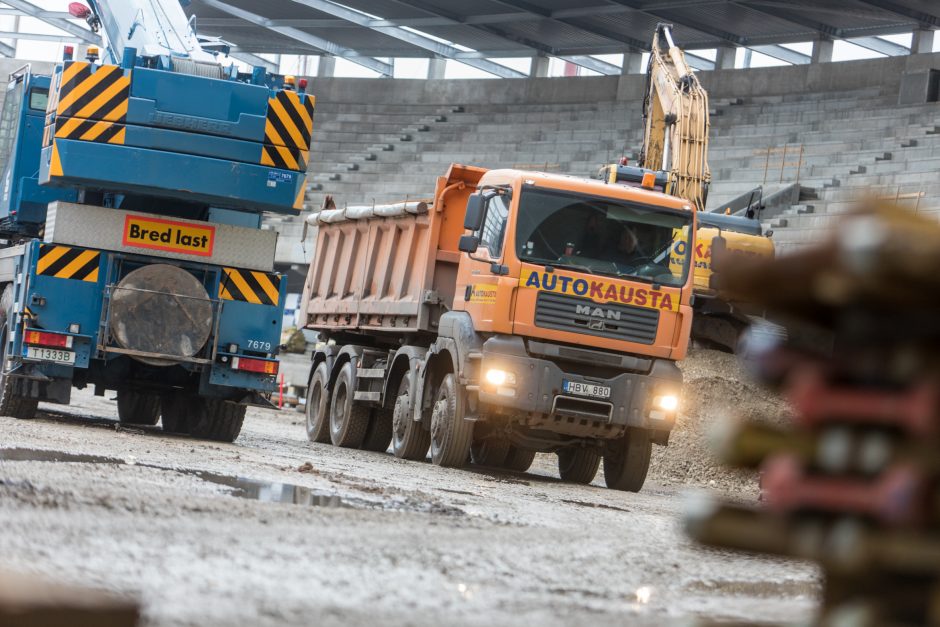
<point>218,420</point>
<point>450,433</point>
<point>625,469</point>
<point>578,465</point>
<point>379,435</point>
<point>318,405</point>
<point>519,459</point>
<point>138,408</point>
<point>349,421</point>
<point>11,403</point>
<point>410,440</point>
<point>176,410</point>
<point>490,452</point>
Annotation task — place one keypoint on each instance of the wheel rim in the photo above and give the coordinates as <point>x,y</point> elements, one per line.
<point>439,418</point>
<point>338,415</point>
<point>400,417</point>
<point>314,398</point>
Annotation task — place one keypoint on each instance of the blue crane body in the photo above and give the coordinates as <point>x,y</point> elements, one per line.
<point>133,191</point>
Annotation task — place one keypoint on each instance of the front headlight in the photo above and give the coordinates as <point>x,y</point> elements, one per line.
<point>666,402</point>
<point>495,376</point>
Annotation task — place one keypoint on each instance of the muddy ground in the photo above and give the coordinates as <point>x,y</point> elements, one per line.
<point>336,536</point>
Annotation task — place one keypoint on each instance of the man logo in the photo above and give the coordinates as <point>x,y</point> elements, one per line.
<point>597,312</point>
<point>597,325</point>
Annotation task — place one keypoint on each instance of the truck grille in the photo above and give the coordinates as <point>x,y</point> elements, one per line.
<point>610,320</point>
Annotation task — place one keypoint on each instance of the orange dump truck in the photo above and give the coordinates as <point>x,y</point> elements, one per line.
<point>514,312</point>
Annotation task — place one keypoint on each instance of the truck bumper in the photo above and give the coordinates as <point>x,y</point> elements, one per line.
<point>538,397</point>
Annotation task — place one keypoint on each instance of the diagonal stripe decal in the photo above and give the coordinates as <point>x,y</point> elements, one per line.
<point>65,262</point>
<point>257,288</point>
<point>290,120</point>
<point>284,158</point>
<point>90,130</point>
<point>93,92</point>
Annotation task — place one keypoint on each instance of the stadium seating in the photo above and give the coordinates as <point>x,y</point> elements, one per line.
<point>835,144</point>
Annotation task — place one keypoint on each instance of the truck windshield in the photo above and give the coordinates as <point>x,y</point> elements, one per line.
<point>604,236</point>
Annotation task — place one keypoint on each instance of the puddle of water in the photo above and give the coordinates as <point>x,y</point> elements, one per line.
<point>272,492</point>
<point>241,487</point>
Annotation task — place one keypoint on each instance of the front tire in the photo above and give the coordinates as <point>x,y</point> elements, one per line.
<point>349,421</point>
<point>450,433</point>
<point>578,465</point>
<point>138,408</point>
<point>318,405</point>
<point>410,440</point>
<point>626,466</point>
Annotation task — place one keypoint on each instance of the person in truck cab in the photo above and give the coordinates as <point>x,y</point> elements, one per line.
<point>628,251</point>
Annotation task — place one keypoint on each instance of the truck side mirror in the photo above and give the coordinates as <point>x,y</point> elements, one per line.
<point>468,243</point>
<point>473,219</point>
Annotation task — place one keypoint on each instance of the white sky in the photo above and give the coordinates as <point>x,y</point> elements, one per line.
<point>415,68</point>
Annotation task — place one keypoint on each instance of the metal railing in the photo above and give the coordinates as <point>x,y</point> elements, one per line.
<point>783,169</point>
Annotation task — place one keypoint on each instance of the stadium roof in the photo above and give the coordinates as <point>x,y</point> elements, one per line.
<point>365,31</point>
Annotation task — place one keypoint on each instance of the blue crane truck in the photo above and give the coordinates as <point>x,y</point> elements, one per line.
<point>132,195</point>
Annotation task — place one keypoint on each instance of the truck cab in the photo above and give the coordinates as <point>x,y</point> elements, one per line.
<point>583,292</point>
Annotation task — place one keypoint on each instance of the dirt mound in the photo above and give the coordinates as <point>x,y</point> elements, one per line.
<point>717,387</point>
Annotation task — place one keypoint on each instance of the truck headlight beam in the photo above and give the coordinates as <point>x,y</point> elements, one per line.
<point>666,402</point>
<point>497,377</point>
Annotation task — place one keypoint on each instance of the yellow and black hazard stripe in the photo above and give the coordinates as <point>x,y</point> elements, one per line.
<point>90,130</point>
<point>284,157</point>
<point>65,262</point>
<point>259,288</point>
<point>94,92</point>
<point>290,120</point>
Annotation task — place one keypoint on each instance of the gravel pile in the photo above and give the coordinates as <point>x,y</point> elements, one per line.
<point>717,387</point>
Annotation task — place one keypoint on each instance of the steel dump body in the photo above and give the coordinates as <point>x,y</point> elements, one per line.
<point>389,273</point>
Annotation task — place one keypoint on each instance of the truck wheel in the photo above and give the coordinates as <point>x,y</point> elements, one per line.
<point>518,459</point>
<point>578,465</point>
<point>379,434</point>
<point>410,440</point>
<point>490,452</point>
<point>11,403</point>
<point>626,467</point>
<point>176,411</point>
<point>217,420</point>
<point>138,408</point>
<point>349,421</point>
<point>450,433</point>
<point>318,405</point>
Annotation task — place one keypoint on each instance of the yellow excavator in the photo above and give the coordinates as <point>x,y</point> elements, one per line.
<point>674,160</point>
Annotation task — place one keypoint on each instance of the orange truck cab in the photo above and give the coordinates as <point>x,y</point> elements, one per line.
<point>523,312</point>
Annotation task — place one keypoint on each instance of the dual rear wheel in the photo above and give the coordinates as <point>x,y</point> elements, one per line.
<point>336,417</point>
<point>208,419</point>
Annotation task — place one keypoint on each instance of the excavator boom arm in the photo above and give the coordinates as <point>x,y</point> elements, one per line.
<point>676,118</point>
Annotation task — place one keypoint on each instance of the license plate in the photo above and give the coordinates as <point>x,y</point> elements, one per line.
<point>57,355</point>
<point>586,389</point>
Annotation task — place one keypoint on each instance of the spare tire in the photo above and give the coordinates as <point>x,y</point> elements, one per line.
<point>161,309</point>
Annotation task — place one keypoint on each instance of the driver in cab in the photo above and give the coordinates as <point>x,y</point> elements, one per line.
<point>627,253</point>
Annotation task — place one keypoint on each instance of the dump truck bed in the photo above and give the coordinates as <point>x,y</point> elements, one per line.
<point>388,268</point>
